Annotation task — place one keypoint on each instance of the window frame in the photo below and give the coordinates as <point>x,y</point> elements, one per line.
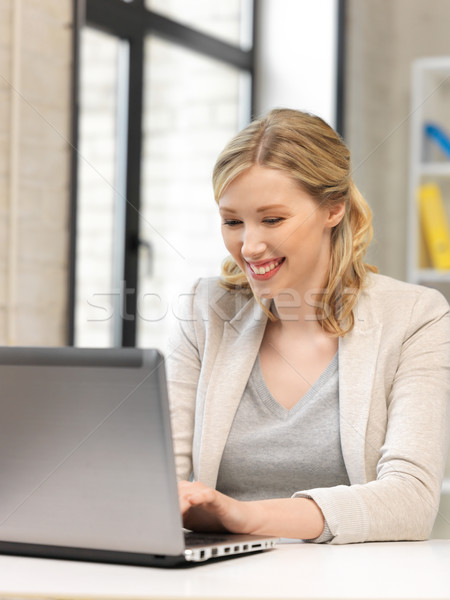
<point>133,22</point>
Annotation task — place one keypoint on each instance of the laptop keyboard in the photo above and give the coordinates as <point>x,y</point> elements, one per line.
<point>193,538</point>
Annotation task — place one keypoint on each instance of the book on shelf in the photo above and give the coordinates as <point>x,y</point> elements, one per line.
<point>435,225</point>
<point>437,134</point>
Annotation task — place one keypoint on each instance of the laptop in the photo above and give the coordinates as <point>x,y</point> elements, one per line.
<point>87,469</point>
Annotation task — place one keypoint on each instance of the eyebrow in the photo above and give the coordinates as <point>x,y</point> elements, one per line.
<point>258,210</point>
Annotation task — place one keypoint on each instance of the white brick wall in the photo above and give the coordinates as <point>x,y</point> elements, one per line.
<point>38,269</point>
<point>5,69</point>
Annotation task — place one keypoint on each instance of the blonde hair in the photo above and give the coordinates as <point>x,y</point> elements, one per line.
<point>308,150</point>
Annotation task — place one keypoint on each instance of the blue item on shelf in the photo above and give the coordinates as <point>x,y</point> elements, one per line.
<point>438,135</point>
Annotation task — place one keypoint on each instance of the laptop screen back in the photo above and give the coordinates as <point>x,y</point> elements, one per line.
<point>86,458</point>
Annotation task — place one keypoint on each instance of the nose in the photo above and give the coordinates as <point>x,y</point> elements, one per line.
<point>253,245</point>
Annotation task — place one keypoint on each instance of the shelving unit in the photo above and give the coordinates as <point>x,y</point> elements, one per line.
<point>430,103</point>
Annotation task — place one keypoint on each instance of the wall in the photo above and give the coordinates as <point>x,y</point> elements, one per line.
<point>383,38</point>
<point>35,62</point>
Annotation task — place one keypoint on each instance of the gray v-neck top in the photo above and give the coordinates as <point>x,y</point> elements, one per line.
<point>273,452</point>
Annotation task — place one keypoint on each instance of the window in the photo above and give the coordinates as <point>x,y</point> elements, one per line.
<point>192,106</point>
<point>158,99</point>
<point>101,193</point>
<point>230,21</point>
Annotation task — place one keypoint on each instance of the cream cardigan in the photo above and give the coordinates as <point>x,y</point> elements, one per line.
<point>394,391</point>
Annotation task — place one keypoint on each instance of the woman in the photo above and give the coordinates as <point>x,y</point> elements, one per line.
<point>308,393</point>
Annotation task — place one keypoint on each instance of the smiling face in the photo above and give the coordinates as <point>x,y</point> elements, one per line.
<point>276,232</point>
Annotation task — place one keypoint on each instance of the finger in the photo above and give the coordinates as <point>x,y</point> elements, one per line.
<point>201,497</point>
<point>183,485</point>
<point>185,505</point>
<point>190,486</point>
<point>189,496</point>
<point>209,500</point>
<point>185,489</point>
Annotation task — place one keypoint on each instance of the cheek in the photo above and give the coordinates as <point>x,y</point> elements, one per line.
<point>231,241</point>
<point>304,237</point>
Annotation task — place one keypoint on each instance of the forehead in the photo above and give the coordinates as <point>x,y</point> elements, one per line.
<point>260,185</point>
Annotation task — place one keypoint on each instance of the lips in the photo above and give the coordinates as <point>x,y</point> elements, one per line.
<point>265,269</point>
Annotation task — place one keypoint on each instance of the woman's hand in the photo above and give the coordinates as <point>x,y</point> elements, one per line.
<point>206,509</point>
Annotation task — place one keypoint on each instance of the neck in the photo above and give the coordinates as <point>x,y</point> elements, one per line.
<point>297,314</point>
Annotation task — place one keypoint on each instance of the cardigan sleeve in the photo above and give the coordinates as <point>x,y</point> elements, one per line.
<point>403,500</point>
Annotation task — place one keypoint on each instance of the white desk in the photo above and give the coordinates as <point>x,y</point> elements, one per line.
<point>397,570</point>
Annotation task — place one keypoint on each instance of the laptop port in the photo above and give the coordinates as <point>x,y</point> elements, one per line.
<point>202,554</point>
<point>256,545</point>
<point>214,551</point>
<point>236,548</point>
<point>226,549</point>
<point>245,547</point>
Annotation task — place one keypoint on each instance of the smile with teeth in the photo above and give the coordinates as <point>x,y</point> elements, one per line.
<point>261,270</point>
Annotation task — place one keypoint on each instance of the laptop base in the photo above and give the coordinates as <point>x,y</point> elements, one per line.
<point>92,555</point>
<point>117,557</point>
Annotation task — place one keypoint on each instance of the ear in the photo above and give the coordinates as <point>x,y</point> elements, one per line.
<point>336,214</point>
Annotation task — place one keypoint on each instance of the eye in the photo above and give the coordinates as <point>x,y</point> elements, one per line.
<point>273,220</point>
<point>231,222</point>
